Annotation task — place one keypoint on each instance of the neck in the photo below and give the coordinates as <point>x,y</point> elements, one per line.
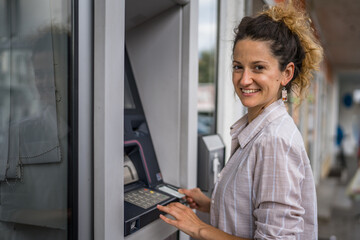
<point>253,113</point>
<point>257,110</point>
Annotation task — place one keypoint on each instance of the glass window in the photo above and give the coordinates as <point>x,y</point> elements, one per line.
<point>208,35</point>
<point>35,87</point>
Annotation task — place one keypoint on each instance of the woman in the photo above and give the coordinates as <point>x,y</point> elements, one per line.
<point>266,190</point>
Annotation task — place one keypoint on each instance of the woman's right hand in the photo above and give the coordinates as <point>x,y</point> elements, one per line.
<point>196,199</point>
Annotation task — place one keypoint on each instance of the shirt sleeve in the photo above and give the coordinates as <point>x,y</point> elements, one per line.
<point>278,175</point>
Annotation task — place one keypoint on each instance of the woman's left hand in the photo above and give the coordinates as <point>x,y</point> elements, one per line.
<point>185,219</point>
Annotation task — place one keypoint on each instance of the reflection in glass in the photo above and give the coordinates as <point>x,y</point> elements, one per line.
<point>34,107</point>
<point>207,66</point>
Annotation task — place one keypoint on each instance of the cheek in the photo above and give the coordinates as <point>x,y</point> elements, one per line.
<point>273,81</point>
<point>276,88</point>
<point>235,79</point>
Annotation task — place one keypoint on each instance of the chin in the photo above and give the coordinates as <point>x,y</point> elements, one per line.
<point>247,103</point>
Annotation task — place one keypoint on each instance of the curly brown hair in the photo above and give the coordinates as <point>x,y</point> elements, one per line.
<point>291,37</point>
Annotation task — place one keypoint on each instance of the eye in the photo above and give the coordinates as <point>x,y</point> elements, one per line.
<point>259,67</point>
<point>237,67</point>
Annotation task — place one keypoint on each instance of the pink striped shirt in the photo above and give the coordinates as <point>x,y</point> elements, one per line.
<point>266,190</point>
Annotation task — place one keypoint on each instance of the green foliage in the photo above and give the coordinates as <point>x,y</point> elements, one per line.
<point>207,66</point>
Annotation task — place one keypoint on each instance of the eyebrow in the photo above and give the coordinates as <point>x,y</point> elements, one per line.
<point>255,62</point>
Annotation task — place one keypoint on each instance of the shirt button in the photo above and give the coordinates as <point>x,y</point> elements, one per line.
<point>212,201</point>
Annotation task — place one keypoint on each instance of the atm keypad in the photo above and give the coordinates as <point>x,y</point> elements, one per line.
<point>144,197</point>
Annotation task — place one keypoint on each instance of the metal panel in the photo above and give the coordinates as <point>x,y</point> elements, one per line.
<point>108,118</point>
<point>189,86</point>
<point>85,131</point>
<point>140,11</point>
<point>156,230</point>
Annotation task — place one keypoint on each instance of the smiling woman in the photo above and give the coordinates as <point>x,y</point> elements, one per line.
<point>266,190</point>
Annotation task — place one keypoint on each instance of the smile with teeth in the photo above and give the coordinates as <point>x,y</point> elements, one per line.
<point>250,90</point>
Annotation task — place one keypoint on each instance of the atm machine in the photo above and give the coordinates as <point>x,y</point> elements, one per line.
<point>144,187</point>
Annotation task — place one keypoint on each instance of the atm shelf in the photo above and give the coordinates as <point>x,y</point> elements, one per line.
<point>158,229</point>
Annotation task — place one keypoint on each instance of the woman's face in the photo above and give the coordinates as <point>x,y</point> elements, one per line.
<point>256,75</point>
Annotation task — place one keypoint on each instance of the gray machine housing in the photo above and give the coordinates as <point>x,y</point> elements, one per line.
<point>211,155</point>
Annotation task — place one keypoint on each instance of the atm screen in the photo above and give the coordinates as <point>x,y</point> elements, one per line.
<point>129,100</point>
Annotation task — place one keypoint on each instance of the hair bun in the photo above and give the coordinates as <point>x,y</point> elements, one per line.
<point>300,24</point>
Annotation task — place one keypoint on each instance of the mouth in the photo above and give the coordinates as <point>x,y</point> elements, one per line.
<point>247,91</point>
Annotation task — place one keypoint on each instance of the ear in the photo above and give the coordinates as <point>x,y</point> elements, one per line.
<point>288,74</point>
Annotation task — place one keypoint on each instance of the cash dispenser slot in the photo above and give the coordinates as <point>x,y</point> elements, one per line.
<point>130,173</point>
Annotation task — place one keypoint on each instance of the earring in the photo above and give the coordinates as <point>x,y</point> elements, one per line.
<point>284,94</point>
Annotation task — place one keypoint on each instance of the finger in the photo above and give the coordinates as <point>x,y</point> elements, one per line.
<point>163,208</point>
<point>178,205</point>
<point>180,190</point>
<point>193,205</point>
<point>187,192</point>
<point>184,191</point>
<point>194,193</point>
<point>171,209</point>
<point>168,220</point>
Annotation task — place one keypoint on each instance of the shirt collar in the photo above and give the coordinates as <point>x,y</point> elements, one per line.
<point>246,132</point>
<point>238,126</point>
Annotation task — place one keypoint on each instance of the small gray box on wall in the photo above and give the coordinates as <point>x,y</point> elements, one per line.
<point>211,154</point>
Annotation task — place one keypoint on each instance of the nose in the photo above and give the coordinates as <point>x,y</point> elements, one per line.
<point>246,78</point>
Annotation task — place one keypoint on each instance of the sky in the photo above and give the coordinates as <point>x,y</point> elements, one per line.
<point>207,24</point>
